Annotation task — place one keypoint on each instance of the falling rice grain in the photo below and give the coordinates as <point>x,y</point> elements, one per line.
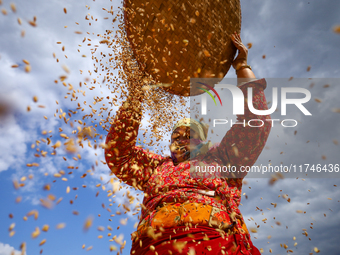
<point>36,233</point>
<point>179,246</point>
<point>33,212</point>
<point>206,53</point>
<point>27,68</point>
<point>60,226</point>
<point>66,69</point>
<point>59,200</point>
<point>56,145</point>
<point>336,29</point>
<point>235,150</point>
<point>11,227</point>
<point>88,223</point>
<point>113,248</point>
<point>13,7</point>
<point>42,242</point>
<point>45,228</point>
<point>32,23</point>
<point>253,230</point>
<point>16,184</point>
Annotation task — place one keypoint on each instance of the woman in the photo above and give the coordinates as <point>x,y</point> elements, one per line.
<point>181,214</point>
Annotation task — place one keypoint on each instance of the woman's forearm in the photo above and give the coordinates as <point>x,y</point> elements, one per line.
<point>245,73</point>
<point>243,144</point>
<point>127,161</point>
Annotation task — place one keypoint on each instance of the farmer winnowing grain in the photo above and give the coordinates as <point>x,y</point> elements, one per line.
<point>180,213</point>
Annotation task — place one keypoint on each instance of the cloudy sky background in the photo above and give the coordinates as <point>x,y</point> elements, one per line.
<point>291,34</point>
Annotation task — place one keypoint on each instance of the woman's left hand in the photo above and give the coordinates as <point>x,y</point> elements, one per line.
<point>241,59</point>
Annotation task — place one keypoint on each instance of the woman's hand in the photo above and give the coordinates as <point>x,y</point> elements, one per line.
<point>241,59</point>
<point>243,70</point>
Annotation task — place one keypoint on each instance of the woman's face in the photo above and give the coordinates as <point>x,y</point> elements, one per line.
<point>180,143</point>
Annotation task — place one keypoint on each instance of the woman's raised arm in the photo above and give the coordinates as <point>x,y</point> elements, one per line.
<point>128,162</point>
<point>243,143</point>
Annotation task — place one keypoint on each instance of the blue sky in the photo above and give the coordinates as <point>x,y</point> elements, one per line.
<point>291,34</point>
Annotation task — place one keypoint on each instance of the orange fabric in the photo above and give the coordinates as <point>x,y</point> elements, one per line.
<point>188,214</point>
<point>244,227</point>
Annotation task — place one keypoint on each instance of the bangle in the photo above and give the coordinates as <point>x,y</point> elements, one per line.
<point>242,67</point>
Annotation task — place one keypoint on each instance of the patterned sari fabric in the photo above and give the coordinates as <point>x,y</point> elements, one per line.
<point>167,184</point>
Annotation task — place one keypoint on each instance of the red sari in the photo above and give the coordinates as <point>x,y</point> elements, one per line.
<point>202,240</point>
<point>162,182</point>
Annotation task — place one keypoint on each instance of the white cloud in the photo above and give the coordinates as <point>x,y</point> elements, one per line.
<point>13,146</point>
<point>6,249</point>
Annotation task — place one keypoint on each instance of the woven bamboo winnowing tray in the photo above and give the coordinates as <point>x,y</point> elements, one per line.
<point>176,40</point>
